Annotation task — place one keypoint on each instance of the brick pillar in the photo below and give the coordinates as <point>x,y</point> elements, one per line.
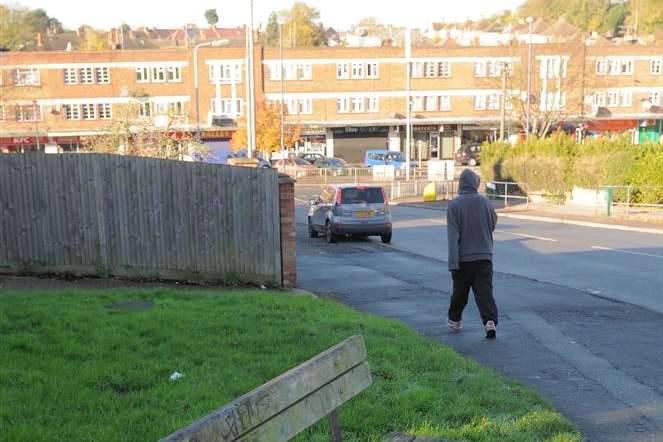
<point>288,236</point>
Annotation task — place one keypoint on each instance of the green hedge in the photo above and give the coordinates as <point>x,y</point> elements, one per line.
<point>556,164</point>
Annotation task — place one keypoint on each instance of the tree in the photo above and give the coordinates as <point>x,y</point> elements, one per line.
<point>553,98</point>
<point>92,40</point>
<point>19,26</point>
<point>129,134</point>
<point>299,27</point>
<point>212,17</point>
<point>55,26</point>
<point>268,130</point>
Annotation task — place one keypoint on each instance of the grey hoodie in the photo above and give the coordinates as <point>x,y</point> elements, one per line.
<point>471,220</point>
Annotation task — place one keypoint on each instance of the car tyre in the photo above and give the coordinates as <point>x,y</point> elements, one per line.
<point>312,233</point>
<point>386,237</point>
<point>331,236</point>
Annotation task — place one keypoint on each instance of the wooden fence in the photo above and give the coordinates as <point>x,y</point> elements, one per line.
<point>112,215</point>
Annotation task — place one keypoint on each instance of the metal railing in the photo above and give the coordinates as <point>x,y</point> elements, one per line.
<point>632,199</point>
<point>350,175</point>
<point>506,190</point>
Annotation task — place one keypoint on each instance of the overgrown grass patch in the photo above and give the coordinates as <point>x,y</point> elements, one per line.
<point>95,365</point>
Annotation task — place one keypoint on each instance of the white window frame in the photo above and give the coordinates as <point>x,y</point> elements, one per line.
<point>430,103</point>
<point>342,105</point>
<point>21,114</point>
<point>158,74</point>
<point>418,103</point>
<point>480,69</point>
<point>655,97</point>
<point>494,101</point>
<point>26,77</point>
<point>174,74</point>
<point>600,99</point>
<point>358,70</point>
<point>430,69</point>
<point>444,69</point>
<point>372,70</point>
<point>612,98</point>
<point>373,104</point>
<point>445,103</point>
<point>225,73</point>
<point>508,102</point>
<point>275,72</point>
<point>86,75</point>
<point>304,106</point>
<point>102,75</point>
<point>227,107</point>
<point>417,69</point>
<point>88,111</point>
<point>290,71</point>
<point>72,111</point>
<point>601,66</point>
<point>343,71</point>
<point>104,111</point>
<point>493,68</point>
<point>304,71</point>
<point>142,74</point>
<point>625,98</point>
<point>480,102</point>
<point>145,110</point>
<point>656,66</point>
<point>175,108</point>
<point>357,105</point>
<point>70,76</point>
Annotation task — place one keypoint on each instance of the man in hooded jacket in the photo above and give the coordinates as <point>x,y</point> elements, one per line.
<point>471,221</point>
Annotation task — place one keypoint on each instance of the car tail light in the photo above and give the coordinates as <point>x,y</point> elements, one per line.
<point>339,197</point>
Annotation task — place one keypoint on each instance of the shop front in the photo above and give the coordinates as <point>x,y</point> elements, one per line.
<point>650,131</point>
<point>351,143</point>
<point>22,144</point>
<point>432,142</point>
<point>312,140</point>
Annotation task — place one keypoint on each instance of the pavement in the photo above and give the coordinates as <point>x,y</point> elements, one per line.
<point>581,309</point>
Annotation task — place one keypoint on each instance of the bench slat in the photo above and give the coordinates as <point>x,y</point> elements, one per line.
<point>333,377</point>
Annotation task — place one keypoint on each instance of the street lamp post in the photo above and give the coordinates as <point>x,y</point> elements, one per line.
<point>529,20</point>
<point>251,88</point>
<point>408,116</point>
<point>215,43</point>
<point>281,78</point>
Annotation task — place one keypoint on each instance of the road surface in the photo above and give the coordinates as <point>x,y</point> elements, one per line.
<point>580,309</point>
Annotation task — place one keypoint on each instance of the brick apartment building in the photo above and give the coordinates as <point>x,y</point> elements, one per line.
<point>346,100</point>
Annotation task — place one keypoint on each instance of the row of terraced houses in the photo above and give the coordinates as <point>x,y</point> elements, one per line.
<point>346,100</point>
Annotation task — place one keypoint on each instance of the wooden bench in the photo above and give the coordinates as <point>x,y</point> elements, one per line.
<point>287,405</point>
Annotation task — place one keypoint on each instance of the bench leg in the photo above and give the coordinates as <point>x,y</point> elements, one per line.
<point>336,434</point>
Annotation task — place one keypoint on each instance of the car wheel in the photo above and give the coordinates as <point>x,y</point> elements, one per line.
<point>386,237</point>
<point>472,162</point>
<point>312,233</point>
<point>331,236</point>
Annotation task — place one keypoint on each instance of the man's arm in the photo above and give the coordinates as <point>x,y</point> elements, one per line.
<point>453,238</point>
<point>493,217</point>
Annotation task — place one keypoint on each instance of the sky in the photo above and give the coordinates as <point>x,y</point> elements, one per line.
<point>336,13</point>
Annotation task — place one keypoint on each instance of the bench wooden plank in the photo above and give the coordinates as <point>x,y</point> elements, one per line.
<point>290,403</point>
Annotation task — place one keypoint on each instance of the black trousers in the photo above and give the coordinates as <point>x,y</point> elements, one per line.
<point>477,275</point>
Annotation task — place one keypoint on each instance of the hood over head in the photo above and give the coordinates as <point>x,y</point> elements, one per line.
<point>469,182</point>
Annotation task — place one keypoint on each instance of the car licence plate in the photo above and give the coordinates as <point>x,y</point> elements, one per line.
<point>365,214</point>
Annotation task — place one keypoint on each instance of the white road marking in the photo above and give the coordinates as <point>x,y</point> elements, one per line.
<point>541,238</point>
<point>627,252</point>
<point>546,219</point>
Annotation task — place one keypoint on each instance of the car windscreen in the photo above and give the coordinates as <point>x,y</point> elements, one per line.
<point>301,162</point>
<point>358,195</point>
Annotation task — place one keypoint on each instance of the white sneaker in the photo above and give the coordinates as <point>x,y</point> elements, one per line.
<point>455,326</point>
<point>491,330</point>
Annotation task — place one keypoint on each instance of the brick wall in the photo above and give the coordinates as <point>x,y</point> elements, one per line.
<point>288,238</point>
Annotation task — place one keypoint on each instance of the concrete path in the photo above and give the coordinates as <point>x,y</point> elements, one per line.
<point>597,360</point>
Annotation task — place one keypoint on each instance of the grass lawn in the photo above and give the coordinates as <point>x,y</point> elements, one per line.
<point>95,366</point>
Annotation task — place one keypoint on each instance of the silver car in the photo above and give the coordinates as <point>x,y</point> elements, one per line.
<point>350,210</point>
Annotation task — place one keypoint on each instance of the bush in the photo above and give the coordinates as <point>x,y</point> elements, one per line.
<point>557,164</point>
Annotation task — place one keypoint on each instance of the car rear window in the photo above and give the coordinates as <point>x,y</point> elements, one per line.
<point>358,195</point>
<point>301,162</point>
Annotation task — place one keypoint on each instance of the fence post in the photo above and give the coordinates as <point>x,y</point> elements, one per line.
<point>506,192</point>
<point>416,187</point>
<point>324,171</point>
<point>399,189</point>
<point>355,172</point>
